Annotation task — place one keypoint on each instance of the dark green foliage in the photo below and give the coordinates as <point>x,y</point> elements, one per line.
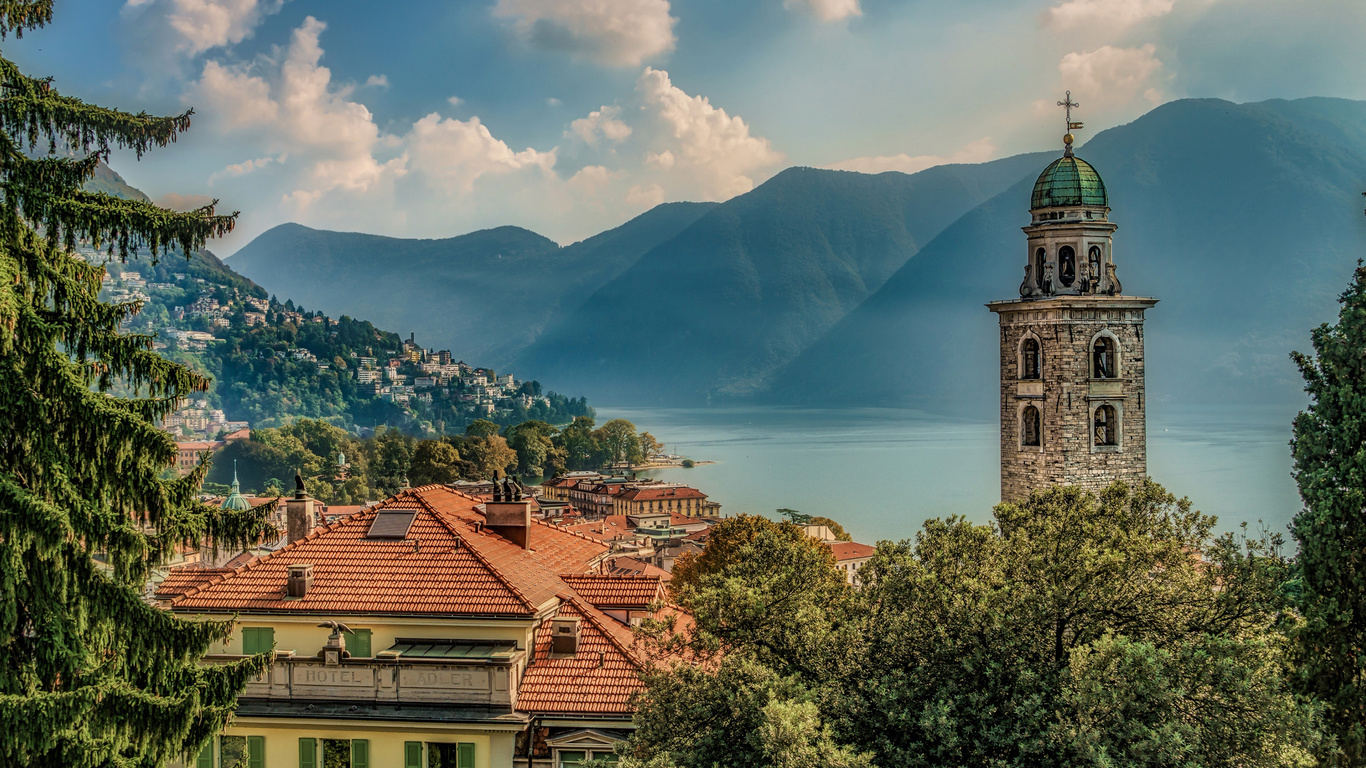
<point>90,674</point>
<point>1330,468</point>
<point>1111,631</point>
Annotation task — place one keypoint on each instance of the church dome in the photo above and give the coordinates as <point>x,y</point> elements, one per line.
<point>1069,180</point>
<point>236,501</point>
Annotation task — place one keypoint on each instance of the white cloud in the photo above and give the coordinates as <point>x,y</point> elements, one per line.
<point>454,101</point>
<point>592,179</point>
<point>453,154</point>
<point>645,195</point>
<point>604,122</point>
<point>612,32</point>
<point>827,10</point>
<point>233,170</point>
<point>190,27</point>
<point>1113,15</point>
<point>978,151</point>
<point>377,81</point>
<point>1114,76</point>
<point>714,152</point>
<point>553,102</point>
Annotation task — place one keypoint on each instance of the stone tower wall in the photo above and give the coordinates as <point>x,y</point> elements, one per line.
<point>1066,394</point>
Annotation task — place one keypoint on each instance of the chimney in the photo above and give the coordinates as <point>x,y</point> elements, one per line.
<point>298,516</point>
<point>300,579</point>
<point>564,636</point>
<point>511,520</point>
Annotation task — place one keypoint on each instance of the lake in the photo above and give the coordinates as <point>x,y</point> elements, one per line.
<point>882,472</point>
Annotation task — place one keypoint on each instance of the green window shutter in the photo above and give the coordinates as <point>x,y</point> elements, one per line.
<point>265,638</point>
<point>257,640</point>
<point>256,752</point>
<point>205,759</point>
<point>308,753</point>
<point>412,754</point>
<point>249,640</point>
<point>359,643</point>
<point>360,753</point>
<point>464,756</point>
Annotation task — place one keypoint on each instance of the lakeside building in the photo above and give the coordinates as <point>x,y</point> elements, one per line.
<point>597,495</point>
<point>1072,405</point>
<point>473,639</point>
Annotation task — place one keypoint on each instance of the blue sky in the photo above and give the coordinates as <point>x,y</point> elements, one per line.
<point>430,119</point>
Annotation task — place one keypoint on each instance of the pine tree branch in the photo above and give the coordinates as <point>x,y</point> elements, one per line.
<point>17,16</point>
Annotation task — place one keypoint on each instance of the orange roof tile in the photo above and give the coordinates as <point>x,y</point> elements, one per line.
<point>621,591</point>
<point>634,566</point>
<point>178,581</point>
<point>610,528</point>
<point>447,564</point>
<point>601,678</point>
<point>850,550</point>
<point>650,493</point>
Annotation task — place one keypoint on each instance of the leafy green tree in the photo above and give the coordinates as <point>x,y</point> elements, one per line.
<point>618,442</point>
<point>481,428</point>
<point>1074,630</point>
<point>795,517</point>
<point>649,446</point>
<point>389,455</point>
<point>434,461</point>
<point>90,674</point>
<point>535,445</point>
<point>580,447</point>
<point>488,456</point>
<point>1329,449</point>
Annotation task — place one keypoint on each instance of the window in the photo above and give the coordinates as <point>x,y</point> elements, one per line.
<point>1030,362</point>
<point>1107,425</point>
<point>412,754</point>
<point>1040,256</point>
<point>1093,265</point>
<point>241,752</point>
<point>572,759</point>
<point>1067,265</point>
<point>308,753</point>
<point>1103,359</point>
<point>257,640</point>
<point>359,643</point>
<point>346,753</point>
<point>450,755</point>
<point>1030,433</point>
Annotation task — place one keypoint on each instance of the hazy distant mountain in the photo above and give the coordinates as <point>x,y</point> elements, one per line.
<point>1245,220</point>
<point>715,310</point>
<point>483,295</point>
<point>108,181</point>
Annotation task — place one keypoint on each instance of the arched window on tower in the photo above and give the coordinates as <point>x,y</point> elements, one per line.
<point>1031,363</point>
<point>1107,425</point>
<point>1104,361</point>
<point>1030,432</point>
<point>1093,265</point>
<point>1067,265</point>
<point>1040,257</point>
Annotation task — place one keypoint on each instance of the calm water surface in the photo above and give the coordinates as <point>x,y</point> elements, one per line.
<point>882,472</point>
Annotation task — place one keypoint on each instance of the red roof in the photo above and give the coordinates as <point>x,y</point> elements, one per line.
<point>178,581</point>
<point>601,677</point>
<point>629,565</point>
<point>445,565</point>
<point>610,528</point>
<point>198,446</point>
<point>623,591</point>
<point>652,493</point>
<point>850,550</point>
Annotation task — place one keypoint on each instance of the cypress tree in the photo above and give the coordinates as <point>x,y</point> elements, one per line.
<point>90,673</point>
<point>1330,467</point>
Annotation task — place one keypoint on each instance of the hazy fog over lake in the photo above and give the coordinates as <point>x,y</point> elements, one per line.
<point>882,472</point>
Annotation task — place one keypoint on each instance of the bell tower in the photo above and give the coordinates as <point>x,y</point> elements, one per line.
<point>1072,401</point>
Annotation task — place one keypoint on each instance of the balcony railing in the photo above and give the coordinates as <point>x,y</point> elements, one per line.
<point>484,683</point>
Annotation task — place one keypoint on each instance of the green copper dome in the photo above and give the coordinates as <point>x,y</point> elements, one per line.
<point>236,501</point>
<point>1069,180</point>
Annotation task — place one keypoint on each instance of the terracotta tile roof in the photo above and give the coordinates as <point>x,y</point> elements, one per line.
<point>601,678</point>
<point>850,550</point>
<point>610,528</point>
<point>648,493</point>
<point>199,446</point>
<point>447,564</point>
<point>178,581</point>
<point>634,566</point>
<point>619,591</point>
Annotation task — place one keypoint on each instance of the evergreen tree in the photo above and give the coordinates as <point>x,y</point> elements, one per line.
<point>90,674</point>
<point>1330,468</point>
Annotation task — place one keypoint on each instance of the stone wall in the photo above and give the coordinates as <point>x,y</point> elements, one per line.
<point>1067,394</point>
